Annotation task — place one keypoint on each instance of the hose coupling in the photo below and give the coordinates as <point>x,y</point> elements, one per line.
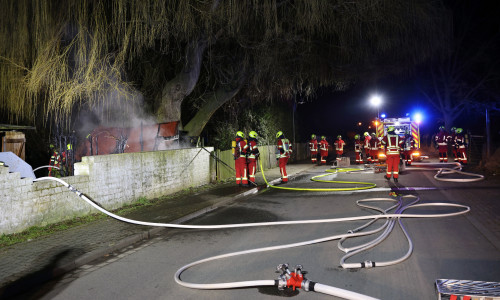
<point>290,279</point>
<point>368,264</point>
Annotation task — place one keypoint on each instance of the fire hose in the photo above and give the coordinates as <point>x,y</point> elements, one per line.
<point>295,279</point>
<point>365,185</point>
<point>457,168</point>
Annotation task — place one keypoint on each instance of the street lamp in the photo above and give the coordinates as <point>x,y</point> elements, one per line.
<point>376,100</point>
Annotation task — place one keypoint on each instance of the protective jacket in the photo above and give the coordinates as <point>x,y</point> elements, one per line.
<point>461,143</point>
<point>284,149</point>
<point>393,144</point>
<point>366,143</point>
<point>441,140</point>
<point>374,148</point>
<point>358,146</point>
<point>313,147</point>
<point>55,164</point>
<point>339,145</point>
<point>323,147</point>
<point>240,161</point>
<point>252,158</point>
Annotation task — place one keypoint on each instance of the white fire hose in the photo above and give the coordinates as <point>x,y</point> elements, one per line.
<point>296,279</point>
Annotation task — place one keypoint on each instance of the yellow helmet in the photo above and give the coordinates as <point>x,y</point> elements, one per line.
<point>390,128</point>
<point>279,133</point>
<point>356,136</point>
<point>323,137</point>
<point>313,136</point>
<point>366,134</point>
<point>240,134</point>
<point>252,134</point>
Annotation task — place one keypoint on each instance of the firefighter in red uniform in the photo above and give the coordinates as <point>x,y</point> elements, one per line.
<point>55,162</point>
<point>408,147</point>
<point>323,149</point>
<point>339,146</point>
<point>313,147</point>
<point>441,140</point>
<point>253,155</point>
<point>453,145</point>
<point>240,159</point>
<point>283,151</point>
<point>358,146</point>
<point>366,144</point>
<point>392,143</point>
<point>374,148</point>
<point>461,143</point>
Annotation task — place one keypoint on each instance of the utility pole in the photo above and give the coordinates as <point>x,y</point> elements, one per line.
<point>488,135</point>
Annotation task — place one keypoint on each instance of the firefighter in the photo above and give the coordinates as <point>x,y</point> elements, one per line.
<point>55,162</point>
<point>240,159</point>
<point>461,143</point>
<point>408,147</point>
<point>323,149</point>
<point>441,140</point>
<point>313,147</point>
<point>253,155</point>
<point>452,144</point>
<point>374,148</point>
<point>366,144</point>
<point>283,151</point>
<point>358,147</point>
<point>339,146</point>
<point>392,143</point>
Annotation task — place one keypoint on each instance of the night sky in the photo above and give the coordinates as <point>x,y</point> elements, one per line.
<point>332,113</point>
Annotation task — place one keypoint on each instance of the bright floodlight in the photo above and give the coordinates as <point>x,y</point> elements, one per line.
<point>418,117</point>
<point>376,100</point>
<point>382,116</point>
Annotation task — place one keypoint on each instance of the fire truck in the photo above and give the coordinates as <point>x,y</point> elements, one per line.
<point>401,125</point>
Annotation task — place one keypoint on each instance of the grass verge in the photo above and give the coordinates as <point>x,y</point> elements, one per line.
<point>41,231</point>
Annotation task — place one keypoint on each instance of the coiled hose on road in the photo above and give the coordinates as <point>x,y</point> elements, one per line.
<point>310,286</point>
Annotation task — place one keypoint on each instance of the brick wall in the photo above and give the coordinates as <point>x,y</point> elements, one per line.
<point>111,180</point>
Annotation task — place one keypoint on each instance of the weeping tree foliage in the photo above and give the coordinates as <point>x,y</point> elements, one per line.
<point>166,57</point>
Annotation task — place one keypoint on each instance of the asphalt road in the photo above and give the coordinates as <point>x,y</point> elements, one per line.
<point>461,247</point>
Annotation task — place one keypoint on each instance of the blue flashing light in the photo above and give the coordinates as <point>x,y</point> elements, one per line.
<point>382,116</point>
<point>407,114</point>
<point>418,117</point>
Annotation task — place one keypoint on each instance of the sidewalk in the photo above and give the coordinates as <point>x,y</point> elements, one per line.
<point>31,263</point>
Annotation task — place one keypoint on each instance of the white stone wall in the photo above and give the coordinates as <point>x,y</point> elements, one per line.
<point>111,180</point>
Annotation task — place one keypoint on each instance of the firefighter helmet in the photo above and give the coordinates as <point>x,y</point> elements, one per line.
<point>279,133</point>
<point>366,134</point>
<point>339,136</point>
<point>453,129</point>
<point>441,127</point>
<point>390,128</point>
<point>51,146</point>
<point>313,136</point>
<point>323,137</point>
<point>356,137</point>
<point>240,134</point>
<point>459,130</point>
<point>373,134</point>
<point>252,134</point>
